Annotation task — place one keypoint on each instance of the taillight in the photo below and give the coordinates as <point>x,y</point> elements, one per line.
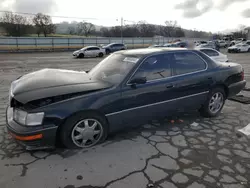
<point>242,75</point>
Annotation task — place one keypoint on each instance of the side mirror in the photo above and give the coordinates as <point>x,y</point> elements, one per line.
<point>140,80</point>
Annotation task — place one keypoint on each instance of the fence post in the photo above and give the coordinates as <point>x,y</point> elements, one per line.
<point>17,44</point>
<point>83,42</point>
<point>133,42</point>
<point>53,44</point>
<point>68,43</point>
<point>96,41</point>
<point>35,42</point>
<point>109,40</point>
<point>143,42</point>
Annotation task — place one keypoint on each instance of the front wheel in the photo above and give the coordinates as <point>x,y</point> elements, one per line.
<point>108,51</point>
<point>84,130</point>
<point>214,103</point>
<point>81,55</point>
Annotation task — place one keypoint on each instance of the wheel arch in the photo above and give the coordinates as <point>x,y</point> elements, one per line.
<point>221,85</point>
<point>90,111</point>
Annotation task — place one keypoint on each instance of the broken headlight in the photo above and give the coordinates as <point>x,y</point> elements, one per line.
<point>29,119</point>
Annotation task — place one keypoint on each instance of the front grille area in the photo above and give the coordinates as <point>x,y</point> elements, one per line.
<point>15,104</point>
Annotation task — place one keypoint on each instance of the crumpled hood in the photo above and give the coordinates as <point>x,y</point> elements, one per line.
<point>53,82</point>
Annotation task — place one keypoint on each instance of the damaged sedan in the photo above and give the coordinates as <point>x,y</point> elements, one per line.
<point>127,88</point>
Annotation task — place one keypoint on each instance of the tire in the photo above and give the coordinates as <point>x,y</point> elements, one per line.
<point>100,54</point>
<point>108,51</point>
<point>81,55</point>
<point>69,132</point>
<point>206,110</point>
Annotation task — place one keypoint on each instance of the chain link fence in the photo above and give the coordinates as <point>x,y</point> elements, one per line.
<point>22,44</point>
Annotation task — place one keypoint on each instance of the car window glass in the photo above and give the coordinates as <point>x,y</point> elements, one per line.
<point>187,62</point>
<point>155,67</point>
<point>210,52</point>
<point>95,48</point>
<point>89,49</point>
<point>114,68</point>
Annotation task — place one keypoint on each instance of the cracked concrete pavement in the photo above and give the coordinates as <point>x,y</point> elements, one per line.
<point>158,154</point>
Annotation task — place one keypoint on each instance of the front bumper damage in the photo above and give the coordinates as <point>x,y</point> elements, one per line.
<point>31,137</point>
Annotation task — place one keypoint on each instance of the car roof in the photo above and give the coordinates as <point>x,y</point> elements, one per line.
<point>115,43</point>
<point>148,51</point>
<point>92,47</point>
<point>206,49</point>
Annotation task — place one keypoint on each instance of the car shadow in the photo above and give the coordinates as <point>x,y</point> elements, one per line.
<point>9,148</point>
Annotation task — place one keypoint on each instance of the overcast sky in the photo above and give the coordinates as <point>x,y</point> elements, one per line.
<point>208,15</point>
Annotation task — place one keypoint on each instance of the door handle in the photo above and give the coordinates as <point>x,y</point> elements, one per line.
<point>169,86</point>
<point>209,78</point>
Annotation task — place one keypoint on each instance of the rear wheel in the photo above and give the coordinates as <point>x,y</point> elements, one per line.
<point>100,54</point>
<point>214,103</point>
<point>81,55</point>
<point>84,130</point>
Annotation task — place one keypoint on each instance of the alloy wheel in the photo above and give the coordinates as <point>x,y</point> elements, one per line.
<point>216,102</point>
<point>87,133</point>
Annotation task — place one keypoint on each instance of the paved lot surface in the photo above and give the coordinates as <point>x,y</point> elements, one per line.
<point>159,154</point>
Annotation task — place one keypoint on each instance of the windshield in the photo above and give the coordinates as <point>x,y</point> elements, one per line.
<point>84,48</point>
<point>114,68</point>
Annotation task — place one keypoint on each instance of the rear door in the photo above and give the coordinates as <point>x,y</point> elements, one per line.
<point>192,80</point>
<point>95,51</point>
<point>245,47</point>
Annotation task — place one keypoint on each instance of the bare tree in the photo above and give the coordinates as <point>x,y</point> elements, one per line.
<point>43,24</point>
<point>72,30</point>
<point>15,25</point>
<point>145,29</point>
<point>85,28</point>
<point>170,28</point>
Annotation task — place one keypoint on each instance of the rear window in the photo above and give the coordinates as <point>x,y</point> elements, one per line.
<point>206,58</point>
<point>188,62</point>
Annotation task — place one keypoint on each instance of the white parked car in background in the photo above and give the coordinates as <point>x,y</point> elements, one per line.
<point>242,47</point>
<point>214,54</point>
<point>222,43</point>
<point>89,51</point>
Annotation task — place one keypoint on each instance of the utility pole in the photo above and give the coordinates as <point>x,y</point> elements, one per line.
<point>122,29</point>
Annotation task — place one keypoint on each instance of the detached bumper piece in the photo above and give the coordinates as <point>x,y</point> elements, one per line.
<point>235,88</point>
<point>32,137</point>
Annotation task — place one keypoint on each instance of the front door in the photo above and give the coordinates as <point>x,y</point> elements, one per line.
<point>142,102</point>
<point>88,52</point>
